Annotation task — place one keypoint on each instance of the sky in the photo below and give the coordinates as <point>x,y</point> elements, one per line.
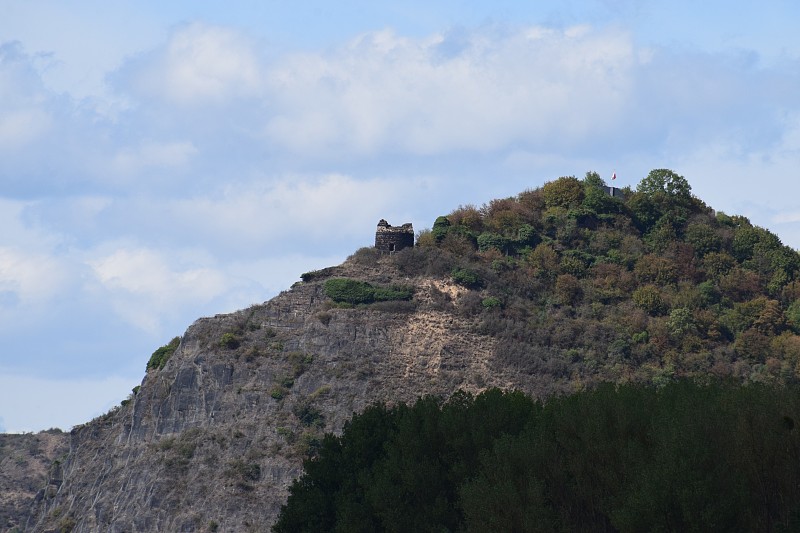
<point>164,161</point>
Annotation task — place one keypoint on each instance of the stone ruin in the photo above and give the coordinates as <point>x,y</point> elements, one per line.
<point>390,239</point>
<point>615,192</point>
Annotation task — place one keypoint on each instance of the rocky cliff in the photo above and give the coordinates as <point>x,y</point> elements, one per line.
<point>213,440</point>
<point>30,469</point>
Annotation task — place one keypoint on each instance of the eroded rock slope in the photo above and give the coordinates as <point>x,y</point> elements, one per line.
<point>213,440</point>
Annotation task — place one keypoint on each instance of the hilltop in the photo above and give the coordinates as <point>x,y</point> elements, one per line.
<point>551,291</point>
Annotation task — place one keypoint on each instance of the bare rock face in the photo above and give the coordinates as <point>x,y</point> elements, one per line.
<point>212,441</point>
<point>30,468</point>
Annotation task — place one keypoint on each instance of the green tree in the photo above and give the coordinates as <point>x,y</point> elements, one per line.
<point>440,228</point>
<point>663,180</point>
<point>703,239</point>
<point>564,192</point>
<point>648,297</point>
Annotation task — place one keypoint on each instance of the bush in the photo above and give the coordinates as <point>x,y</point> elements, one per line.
<point>393,293</point>
<point>467,278</point>
<point>491,303</point>
<point>367,255</point>
<point>229,340</point>
<point>317,274</point>
<point>354,292</point>
<point>349,291</point>
<point>277,392</point>
<point>162,355</point>
<point>400,306</point>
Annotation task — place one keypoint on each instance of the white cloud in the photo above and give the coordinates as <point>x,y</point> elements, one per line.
<point>199,64</point>
<point>34,278</point>
<point>382,92</point>
<point>31,274</point>
<point>145,287</point>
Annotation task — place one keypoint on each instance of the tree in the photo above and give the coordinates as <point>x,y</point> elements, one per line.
<point>663,180</point>
<point>648,297</point>
<point>440,227</point>
<point>564,192</point>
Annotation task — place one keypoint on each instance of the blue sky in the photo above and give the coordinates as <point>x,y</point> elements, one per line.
<point>165,161</point>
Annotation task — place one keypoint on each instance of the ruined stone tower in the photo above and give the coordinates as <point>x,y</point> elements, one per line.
<point>390,239</point>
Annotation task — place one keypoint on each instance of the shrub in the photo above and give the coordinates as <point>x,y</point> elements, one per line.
<point>491,303</point>
<point>324,317</point>
<point>425,239</point>
<point>349,291</point>
<point>467,278</point>
<point>277,392</point>
<point>317,274</point>
<point>244,471</point>
<point>300,362</point>
<point>393,293</point>
<point>488,241</point>
<point>400,306</point>
<point>367,255</point>
<point>162,354</point>
<point>229,340</point>
<point>354,292</point>
<point>308,415</point>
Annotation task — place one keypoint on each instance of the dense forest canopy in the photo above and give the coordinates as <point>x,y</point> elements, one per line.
<point>686,457</point>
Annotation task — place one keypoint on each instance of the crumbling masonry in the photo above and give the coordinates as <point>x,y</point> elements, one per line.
<point>390,239</point>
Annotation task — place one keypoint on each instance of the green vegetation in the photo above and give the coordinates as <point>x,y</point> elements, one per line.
<point>491,302</point>
<point>162,355</point>
<point>229,340</point>
<point>685,457</point>
<point>467,278</point>
<point>355,292</point>
<point>317,274</point>
<point>646,287</point>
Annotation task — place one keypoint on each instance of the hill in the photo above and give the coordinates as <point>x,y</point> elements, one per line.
<point>551,291</point>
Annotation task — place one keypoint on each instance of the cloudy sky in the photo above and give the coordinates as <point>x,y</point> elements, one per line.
<point>163,161</point>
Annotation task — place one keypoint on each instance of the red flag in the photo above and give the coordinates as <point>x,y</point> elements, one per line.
<point>614,176</point>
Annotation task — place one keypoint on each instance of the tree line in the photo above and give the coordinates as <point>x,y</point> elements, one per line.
<point>684,457</point>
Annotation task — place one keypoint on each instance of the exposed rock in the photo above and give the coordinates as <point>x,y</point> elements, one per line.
<point>214,439</point>
<point>30,469</point>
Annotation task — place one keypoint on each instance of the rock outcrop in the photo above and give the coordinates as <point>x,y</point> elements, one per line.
<point>214,439</point>
<point>30,470</point>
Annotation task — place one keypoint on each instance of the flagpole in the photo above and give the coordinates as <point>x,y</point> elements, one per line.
<point>613,177</point>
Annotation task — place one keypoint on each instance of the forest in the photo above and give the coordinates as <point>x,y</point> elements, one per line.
<point>683,457</point>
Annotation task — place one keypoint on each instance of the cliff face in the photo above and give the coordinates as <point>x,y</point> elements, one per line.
<point>30,468</point>
<point>213,440</point>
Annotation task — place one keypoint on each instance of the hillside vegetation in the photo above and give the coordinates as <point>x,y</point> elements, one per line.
<point>588,287</point>
<point>682,458</point>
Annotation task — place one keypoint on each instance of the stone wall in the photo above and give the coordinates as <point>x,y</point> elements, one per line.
<point>390,239</point>
<point>615,192</point>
